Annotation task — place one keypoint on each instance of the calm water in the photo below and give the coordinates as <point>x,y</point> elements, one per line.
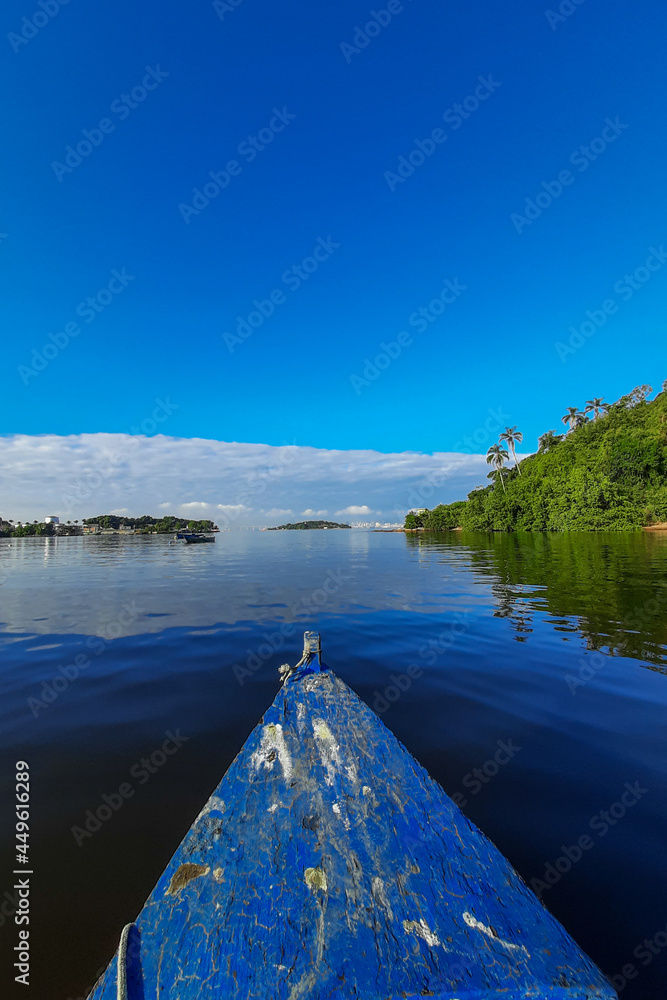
<point>558,644</point>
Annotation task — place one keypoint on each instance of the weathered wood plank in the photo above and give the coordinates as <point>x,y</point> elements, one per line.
<point>328,864</point>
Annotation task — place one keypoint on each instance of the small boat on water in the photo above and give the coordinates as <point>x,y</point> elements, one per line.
<point>328,864</point>
<point>193,537</point>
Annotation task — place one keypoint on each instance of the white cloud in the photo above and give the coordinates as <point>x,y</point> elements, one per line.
<point>314,513</point>
<point>84,475</point>
<point>201,507</point>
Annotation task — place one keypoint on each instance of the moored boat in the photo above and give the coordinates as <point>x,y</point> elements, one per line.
<point>328,863</point>
<point>192,537</point>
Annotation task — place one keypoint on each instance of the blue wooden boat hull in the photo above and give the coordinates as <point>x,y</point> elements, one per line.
<point>329,864</point>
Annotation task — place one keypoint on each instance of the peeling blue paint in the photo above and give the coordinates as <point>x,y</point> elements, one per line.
<point>328,863</point>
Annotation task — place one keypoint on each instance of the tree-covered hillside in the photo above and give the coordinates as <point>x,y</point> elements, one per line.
<point>608,473</point>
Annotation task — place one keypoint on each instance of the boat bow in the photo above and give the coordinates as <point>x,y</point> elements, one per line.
<point>328,863</point>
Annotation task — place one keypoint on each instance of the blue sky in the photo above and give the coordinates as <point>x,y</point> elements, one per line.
<point>386,247</point>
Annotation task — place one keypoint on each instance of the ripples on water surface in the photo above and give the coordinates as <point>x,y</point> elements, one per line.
<point>498,624</point>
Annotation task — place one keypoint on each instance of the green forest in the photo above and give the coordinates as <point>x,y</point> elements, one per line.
<point>608,472</point>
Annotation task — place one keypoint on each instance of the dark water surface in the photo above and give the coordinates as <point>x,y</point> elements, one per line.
<point>556,645</point>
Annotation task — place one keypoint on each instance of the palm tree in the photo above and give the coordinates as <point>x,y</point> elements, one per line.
<point>549,440</point>
<point>512,437</point>
<point>596,406</point>
<point>497,456</point>
<point>573,417</point>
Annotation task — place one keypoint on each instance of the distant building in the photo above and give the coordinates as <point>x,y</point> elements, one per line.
<point>418,510</point>
<point>91,529</point>
<point>51,519</point>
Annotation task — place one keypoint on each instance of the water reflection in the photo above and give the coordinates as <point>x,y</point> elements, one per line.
<point>609,589</point>
<point>612,589</point>
<point>498,626</point>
